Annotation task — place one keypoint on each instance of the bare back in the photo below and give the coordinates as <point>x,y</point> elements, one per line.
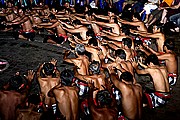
<point>67,98</point>
<point>132,101</point>
<point>47,84</point>
<point>159,77</point>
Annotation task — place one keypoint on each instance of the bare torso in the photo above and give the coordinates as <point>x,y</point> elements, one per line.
<point>67,98</point>
<point>47,84</point>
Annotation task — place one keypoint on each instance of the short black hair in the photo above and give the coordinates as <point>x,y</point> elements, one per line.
<point>76,22</point>
<point>104,98</point>
<point>93,41</point>
<point>67,76</point>
<point>120,53</point>
<point>48,68</point>
<point>125,29</point>
<point>15,82</point>
<point>127,41</point>
<point>152,58</point>
<point>169,43</point>
<point>126,76</point>
<point>52,16</point>
<point>136,15</point>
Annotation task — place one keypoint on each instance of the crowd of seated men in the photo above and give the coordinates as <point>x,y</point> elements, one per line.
<point>112,50</point>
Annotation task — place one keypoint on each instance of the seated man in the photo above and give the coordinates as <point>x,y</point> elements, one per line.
<point>95,75</point>
<point>15,94</point>
<point>170,59</point>
<point>55,37</point>
<point>105,109</point>
<point>131,95</point>
<point>27,31</point>
<point>48,76</point>
<point>66,96</point>
<point>161,94</point>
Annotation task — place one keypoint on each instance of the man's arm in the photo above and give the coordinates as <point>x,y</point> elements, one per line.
<point>72,30</point>
<point>142,71</point>
<point>84,78</point>
<point>164,56</point>
<point>130,23</point>
<point>67,25</point>
<point>105,24</point>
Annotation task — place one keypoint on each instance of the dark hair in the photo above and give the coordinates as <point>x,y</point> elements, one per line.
<point>104,98</point>
<point>152,58</point>
<point>136,15</point>
<point>67,77</point>
<point>111,10</point>
<point>76,22</point>
<point>52,16</point>
<point>169,43</point>
<point>127,41</point>
<point>115,20</point>
<point>125,29</point>
<point>120,53</point>
<point>93,41</point>
<point>15,82</point>
<point>126,76</point>
<point>48,68</point>
<point>94,67</point>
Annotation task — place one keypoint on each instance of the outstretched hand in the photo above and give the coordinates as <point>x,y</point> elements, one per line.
<point>30,75</point>
<point>133,62</point>
<point>53,61</point>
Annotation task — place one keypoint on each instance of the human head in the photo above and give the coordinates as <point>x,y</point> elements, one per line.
<point>111,12</point>
<point>157,28</point>
<point>76,22</point>
<point>127,42</point>
<point>152,59</point>
<point>103,98</point>
<point>67,77</point>
<point>125,30</point>
<point>120,53</point>
<point>113,20</point>
<point>94,67</point>
<point>169,44</point>
<point>80,49</point>
<point>15,83</point>
<point>48,69</point>
<point>126,76</point>
<point>93,42</point>
<point>20,11</point>
<point>136,16</point>
<point>52,17</point>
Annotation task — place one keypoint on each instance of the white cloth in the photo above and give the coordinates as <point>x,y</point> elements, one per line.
<point>149,6</point>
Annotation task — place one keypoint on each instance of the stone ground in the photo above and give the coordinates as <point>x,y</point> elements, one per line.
<point>24,55</point>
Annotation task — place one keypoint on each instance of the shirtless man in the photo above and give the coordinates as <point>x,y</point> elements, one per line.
<point>131,95</point>
<point>157,34</point>
<point>27,31</point>
<point>48,76</point>
<point>170,59</point>
<point>11,98</point>
<point>113,25</point>
<point>76,27</point>
<point>120,62</point>
<point>66,96</point>
<point>136,22</point>
<point>159,74</point>
<point>81,61</point>
<point>95,75</point>
<point>128,46</point>
<point>106,108</point>
<point>59,37</point>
